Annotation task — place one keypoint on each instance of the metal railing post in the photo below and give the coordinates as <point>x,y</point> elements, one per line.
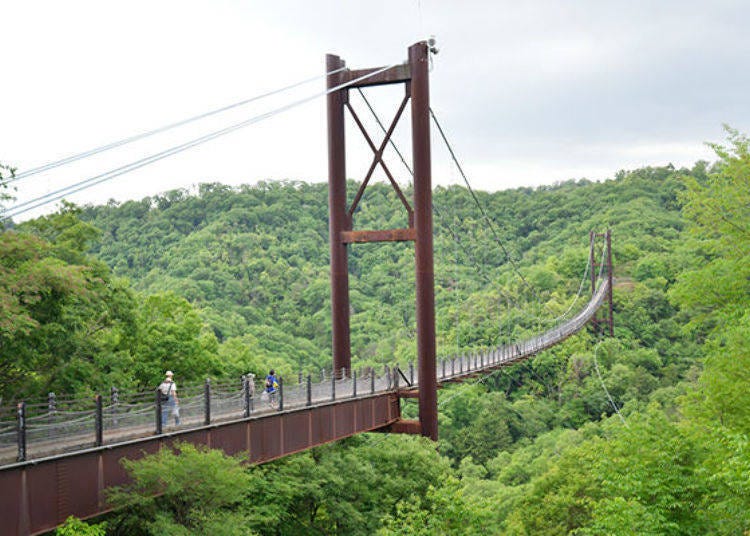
<point>246,393</point>
<point>372,380</point>
<point>21,429</point>
<point>333,387</point>
<point>207,402</point>
<point>51,411</point>
<point>354,384</point>
<point>309,390</point>
<point>281,393</point>
<point>411,372</point>
<point>99,421</point>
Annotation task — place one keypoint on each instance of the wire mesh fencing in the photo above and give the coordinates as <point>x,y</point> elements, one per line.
<point>30,430</point>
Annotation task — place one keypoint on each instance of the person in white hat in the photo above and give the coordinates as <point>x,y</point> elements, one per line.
<point>169,401</point>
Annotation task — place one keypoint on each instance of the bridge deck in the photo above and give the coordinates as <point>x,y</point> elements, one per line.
<point>38,494</point>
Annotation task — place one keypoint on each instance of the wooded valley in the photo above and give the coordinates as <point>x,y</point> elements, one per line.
<point>642,433</point>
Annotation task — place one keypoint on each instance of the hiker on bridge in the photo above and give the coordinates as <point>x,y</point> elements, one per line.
<point>169,401</point>
<point>272,385</point>
<point>249,380</point>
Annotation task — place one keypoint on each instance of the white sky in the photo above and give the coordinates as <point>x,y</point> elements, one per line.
<point>529,92</point>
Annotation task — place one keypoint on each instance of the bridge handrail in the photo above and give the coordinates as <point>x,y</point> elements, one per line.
<point>75,428</point>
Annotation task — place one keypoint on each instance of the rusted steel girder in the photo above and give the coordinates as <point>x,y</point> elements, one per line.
<point>339,219</point>
<point>37,496</point>
<point>387,235</point>
<point>425,277</point>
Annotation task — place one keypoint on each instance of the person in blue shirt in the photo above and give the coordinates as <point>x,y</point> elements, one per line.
<point>272,385</point>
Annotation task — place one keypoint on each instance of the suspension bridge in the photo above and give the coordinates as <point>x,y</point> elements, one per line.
<point>57,457</point>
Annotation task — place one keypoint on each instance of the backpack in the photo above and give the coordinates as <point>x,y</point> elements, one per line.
<point>164,397</point>
<point>271,384</point>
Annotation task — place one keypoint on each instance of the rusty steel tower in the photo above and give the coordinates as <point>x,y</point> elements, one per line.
<point>414,75</point>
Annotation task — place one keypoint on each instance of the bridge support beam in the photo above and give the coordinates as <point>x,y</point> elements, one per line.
<point>425,278</point>
<point>339,221</point>
<point>415,76</point>
<point>36,496</point>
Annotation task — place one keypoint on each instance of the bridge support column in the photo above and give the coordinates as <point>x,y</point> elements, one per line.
<point>425,278</point>
<point>607,262</point>
<point>415,76</point>
<point>339,220</point>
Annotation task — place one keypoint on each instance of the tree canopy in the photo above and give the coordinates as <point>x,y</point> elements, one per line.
<point>221,281</point>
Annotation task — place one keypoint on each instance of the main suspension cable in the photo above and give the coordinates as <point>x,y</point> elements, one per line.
<point>137,137</point>
<point>441,219</point>
<point>484,213</point>
<point>88,183</point>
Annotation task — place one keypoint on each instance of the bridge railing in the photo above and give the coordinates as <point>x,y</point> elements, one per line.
<point>34,430</point>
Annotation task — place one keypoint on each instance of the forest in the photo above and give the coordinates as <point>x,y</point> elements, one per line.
<point>645,432</point>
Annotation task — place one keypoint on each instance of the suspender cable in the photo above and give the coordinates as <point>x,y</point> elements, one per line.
<point>131,139</point>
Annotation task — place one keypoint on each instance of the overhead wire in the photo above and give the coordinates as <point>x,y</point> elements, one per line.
<point>455,236</point>
<point>444,222</point>
<point>578,294</point>
<point>159,130</point>
<point>98,179</point>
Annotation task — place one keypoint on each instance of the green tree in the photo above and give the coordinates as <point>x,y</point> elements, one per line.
<point>172,336</point>
<point>75,527</point>
<point>182,490</point>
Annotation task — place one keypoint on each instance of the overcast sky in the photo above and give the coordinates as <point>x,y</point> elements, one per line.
<point>529,93</point>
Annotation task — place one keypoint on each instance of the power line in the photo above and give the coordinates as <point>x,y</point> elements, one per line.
<point>88,183</point>
<point>131,139</point>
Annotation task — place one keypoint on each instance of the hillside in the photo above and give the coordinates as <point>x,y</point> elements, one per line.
<point>642,433</point>
<point>255,259</point>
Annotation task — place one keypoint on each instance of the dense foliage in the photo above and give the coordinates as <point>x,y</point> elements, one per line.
<point>643,433</point>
